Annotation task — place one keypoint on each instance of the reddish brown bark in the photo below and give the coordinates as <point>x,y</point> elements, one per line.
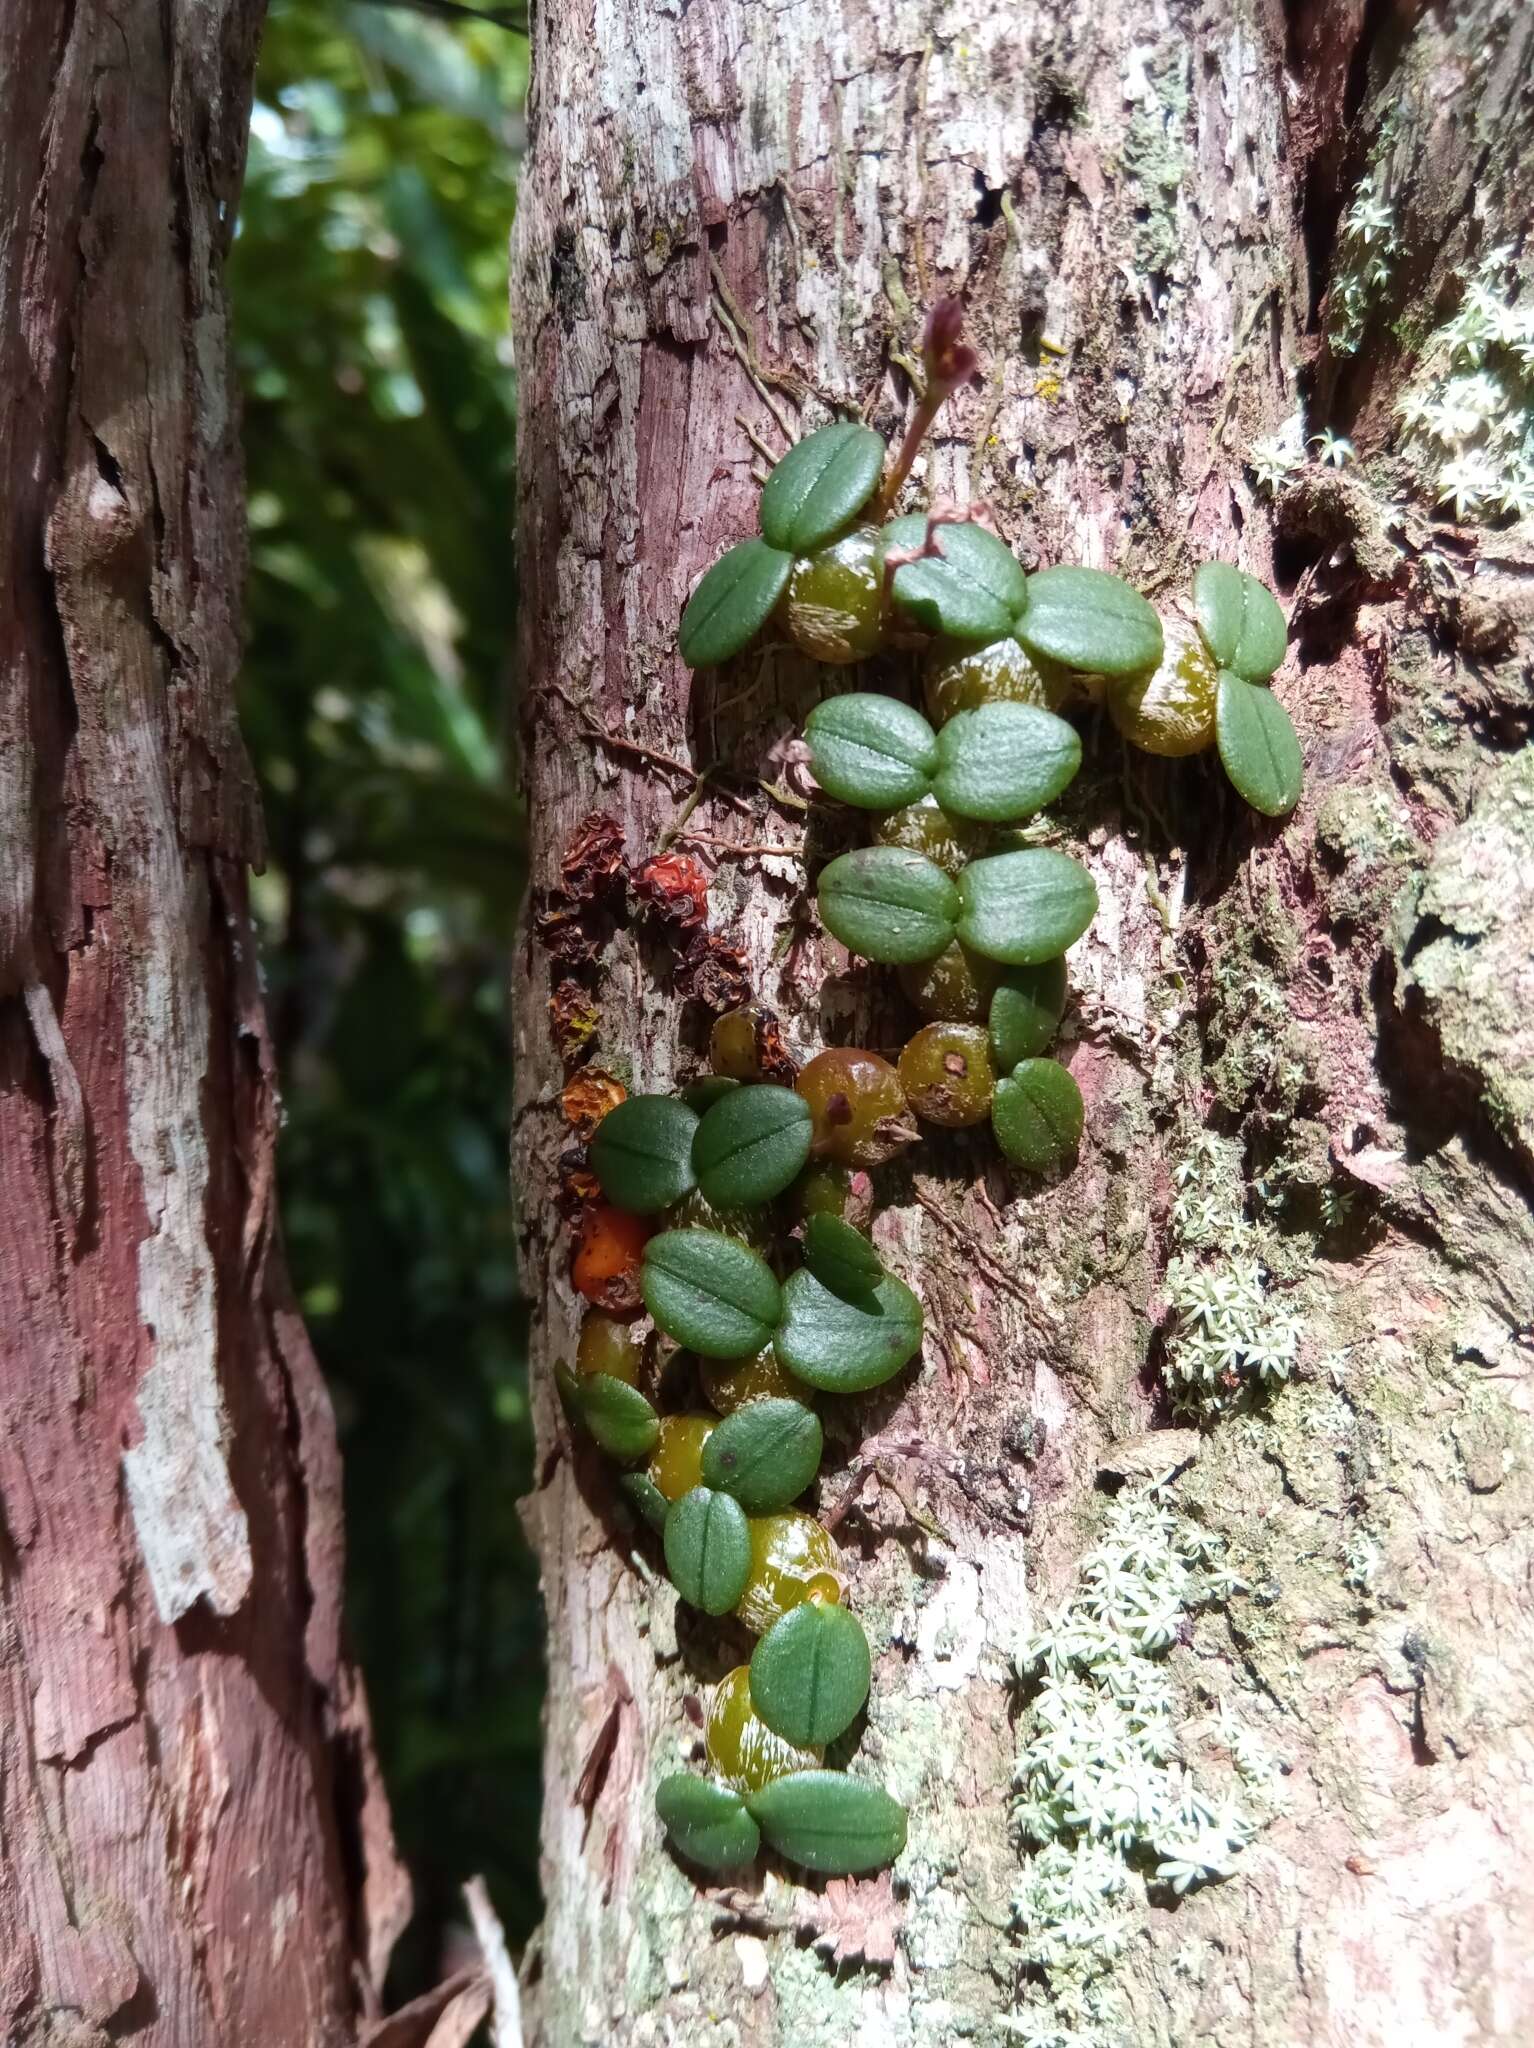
<point>196,1847</point>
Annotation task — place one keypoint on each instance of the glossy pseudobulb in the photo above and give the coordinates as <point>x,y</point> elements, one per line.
<point>950,843</point>
<point>1170,709</point>
<point>792,1559</point>
<point>833,609</point>
<point>858,1107</point>
<point>676,1463</point>
<point>752,1222</point>
<point>731,1384</point>
<point>608,1346</point>
<point>955,988</point>
<point>823,1189</point>
<point>960,678</point>
<point>948,1076</point>
<point>741,1747</point>
<point>744,1045</point>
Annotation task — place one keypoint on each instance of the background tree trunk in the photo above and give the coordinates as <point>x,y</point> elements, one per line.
<point>1141,205</point>
<point>195,1844</point>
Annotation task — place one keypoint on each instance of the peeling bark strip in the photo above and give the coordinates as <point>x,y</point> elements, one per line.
<point>191,1528</point>
<point>731,220</point>
<point>196,1847</point>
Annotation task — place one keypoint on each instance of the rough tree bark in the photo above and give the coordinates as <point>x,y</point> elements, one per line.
<point>195,1844</point>
<point>1140,202</point>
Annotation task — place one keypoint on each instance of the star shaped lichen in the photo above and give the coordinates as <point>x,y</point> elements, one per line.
<point>1367,245</point>
<point>1229,1331</point>
<point>1108,1812</point>
<point>1467,417</point>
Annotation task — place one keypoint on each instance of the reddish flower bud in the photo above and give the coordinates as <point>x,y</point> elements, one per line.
<point>948,357</point>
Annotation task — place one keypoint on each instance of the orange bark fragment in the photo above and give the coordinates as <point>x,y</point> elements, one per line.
<point>587,1097</point>
<point>607,1257</point>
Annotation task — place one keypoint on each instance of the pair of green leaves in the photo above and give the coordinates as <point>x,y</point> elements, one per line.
<point>848,1323</point>
<point>1240,623</point>
<point>998,764</point>
<point>972,589</point>
<point>823,1820</point>
<point>898,907</point>
<point>842,1323</point>
<point>747,1146</point>
<point>758,1459</point>
<point>821,484</point>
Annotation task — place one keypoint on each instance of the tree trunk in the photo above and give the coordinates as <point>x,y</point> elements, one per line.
<point>196,1845</point>
<point>731,220</point>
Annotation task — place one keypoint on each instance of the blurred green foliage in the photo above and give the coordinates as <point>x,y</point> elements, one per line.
<point>369,280</point>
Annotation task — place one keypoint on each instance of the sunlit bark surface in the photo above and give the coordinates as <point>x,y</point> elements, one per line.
<point>732,218</point>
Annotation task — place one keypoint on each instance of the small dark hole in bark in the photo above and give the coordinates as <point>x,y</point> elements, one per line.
<point>1318,224</point>
<point>1293,554</point>
<point>107,465</point>
<point>1057,106</point>
<point>987,203</point>
<point>92,157</point>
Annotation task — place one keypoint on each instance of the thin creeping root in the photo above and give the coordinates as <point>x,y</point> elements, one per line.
<point>619,744</point>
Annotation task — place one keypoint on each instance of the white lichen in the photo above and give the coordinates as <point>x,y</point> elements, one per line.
<point>1368,243</point>
<point>1109,1813</point>
<point>1259,1770</point>
<point>1231,1331</point>
<point>1277,456</point>
<point>1361,1560</point>
<point>1467,417</point>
